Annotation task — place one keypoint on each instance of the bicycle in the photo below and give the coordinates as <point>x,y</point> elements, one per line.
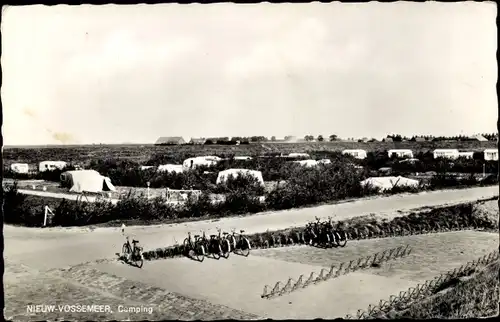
<point>242,244</point>
<point>341,236</point>
<point>224,243</point>
<point>211,245</point>
<point>195,246</point>
<point>133,254</point>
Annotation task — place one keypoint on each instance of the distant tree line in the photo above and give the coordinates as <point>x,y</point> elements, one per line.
<point>334,137</point>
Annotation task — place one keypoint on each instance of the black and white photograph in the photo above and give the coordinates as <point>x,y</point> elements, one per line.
<point>226,161</point>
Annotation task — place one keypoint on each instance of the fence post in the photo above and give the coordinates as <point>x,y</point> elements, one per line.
<point>45,216</point>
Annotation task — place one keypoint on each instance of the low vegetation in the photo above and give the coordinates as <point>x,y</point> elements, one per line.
<point>474,296</point>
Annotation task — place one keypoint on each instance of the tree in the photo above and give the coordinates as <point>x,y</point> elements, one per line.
<point>333,137</point>
<point>273,138</point>
<point>309,138</point>
<point>320,138</point>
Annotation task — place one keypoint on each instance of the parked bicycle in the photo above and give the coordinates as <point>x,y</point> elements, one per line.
<point>194,247</point>
<point>211,245</point>
<point>133,253</point>
<point>239,242</point>
<point>341,234</point>
<point>224,243</point>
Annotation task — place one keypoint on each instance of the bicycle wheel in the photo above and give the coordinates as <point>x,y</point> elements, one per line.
<point>232,241</point>
<point>186,246</point>
<point>138,260</point>
<point>199,253</point>
<point>343,239</point>
<point>216,250</point>
<point>244,246</point>
<point>225,247</point>
<point>126,249</point>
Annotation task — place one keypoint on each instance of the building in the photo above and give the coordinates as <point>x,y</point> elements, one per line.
<point>170,140</point>
<point>358,154</point>
<point>491,155</point>
<point>467,155</point>
<point>446,153</point>
<point>197,141</point>
<point>478,137</point>
<point>401,153</point>
<point>419,139</point>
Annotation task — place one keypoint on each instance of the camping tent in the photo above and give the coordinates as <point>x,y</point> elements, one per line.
<point>307,163</point>
<point>299,155</point>
<point>325,161</point>
<point>20,167</point>
<point>200,161</point>
<point>86,181</point>
<point>177,168</point>
<point>358,154</point>
<point>386,183</point>
<point>226,174</point>
<point>243,158</point>
<point>146,167</point>
<point>51,165</point>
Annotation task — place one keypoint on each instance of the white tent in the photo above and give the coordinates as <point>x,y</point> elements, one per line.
<point>400,153</point>
<point>386,183</point>
<point>325,161</point>
<point>51,165</point>
<point>243,158</point>
<point>299,155</point>
<point>467,155</point>
<point>491,155</point>
<point>20,167</point>
<point>200,161</point>
<point>446,153</point>
<point>177,168</point>
<point>226,174</point>
<point>307,163</point>
<point>87,181</point>
<point>358,154</point>
<point>146,167</point>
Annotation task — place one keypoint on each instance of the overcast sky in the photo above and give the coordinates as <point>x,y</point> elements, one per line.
<point>114,74</point>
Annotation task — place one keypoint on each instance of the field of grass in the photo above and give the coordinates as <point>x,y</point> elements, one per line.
<point>142,153</point>
<point>471,297</point>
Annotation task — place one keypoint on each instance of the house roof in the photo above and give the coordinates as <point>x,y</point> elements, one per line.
<point>170,140</point>
<point>198,140</point>
<point>479,137</point>
<point>420,139</point>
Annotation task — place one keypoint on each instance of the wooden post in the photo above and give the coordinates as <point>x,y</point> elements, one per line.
<point>45,216</point>
<point>148,183</point>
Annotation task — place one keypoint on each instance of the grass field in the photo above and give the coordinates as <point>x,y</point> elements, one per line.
<point>142,153</point>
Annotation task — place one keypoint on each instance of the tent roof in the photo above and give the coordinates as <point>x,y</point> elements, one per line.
<point>170,140</point>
